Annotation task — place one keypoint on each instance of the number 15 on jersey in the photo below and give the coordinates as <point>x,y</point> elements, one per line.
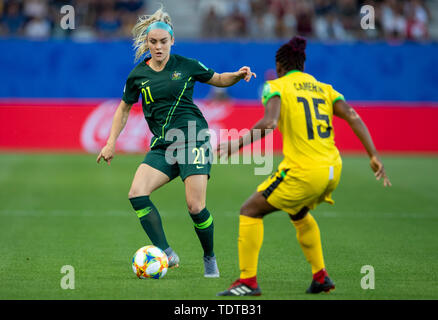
<point>310,134</point>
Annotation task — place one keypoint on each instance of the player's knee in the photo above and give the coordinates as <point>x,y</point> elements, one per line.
<point>249,211</point>
<point>134,192</point>
<point>243,212</point>
<point>299,215</point>
<point>195,207</point>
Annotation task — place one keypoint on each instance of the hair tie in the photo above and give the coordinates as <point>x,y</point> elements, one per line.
<point>298,44</point>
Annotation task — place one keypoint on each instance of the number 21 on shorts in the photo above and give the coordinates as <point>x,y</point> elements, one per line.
<point>199,155</point>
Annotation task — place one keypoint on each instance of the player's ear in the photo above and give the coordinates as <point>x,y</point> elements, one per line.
<point>172,40</point>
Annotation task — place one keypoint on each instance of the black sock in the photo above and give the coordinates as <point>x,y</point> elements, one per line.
<point>150,220</point>
<point>204,228</point>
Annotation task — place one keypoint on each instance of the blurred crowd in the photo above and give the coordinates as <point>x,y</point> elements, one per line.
<point>253,19</point>
<point>93,19</point>
<point>318,19</point>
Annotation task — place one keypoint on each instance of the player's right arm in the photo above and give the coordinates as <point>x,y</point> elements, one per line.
<point>344,111</point>
<point>119,121</point>
<point>264,126</point>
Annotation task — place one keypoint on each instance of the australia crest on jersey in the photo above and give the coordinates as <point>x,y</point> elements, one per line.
<point>176,75</point>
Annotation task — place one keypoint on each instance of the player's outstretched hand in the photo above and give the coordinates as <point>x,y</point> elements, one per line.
<point>225,149</point>
<point>107,154</point>
<point>246,74</point>
<point>379,171</point>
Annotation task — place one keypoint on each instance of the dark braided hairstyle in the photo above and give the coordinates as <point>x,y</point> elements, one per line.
<point>292,55</point>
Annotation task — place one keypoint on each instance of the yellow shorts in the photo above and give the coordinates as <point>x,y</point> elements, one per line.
<point>292,189</point>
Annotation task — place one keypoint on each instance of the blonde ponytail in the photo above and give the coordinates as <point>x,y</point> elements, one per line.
<point>139,30</point>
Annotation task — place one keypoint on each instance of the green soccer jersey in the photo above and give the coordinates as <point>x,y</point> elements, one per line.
<point>167,95</point>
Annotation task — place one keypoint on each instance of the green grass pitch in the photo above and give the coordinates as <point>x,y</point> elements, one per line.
<point>58,210</point>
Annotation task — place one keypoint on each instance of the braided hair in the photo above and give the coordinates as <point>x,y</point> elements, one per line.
<point>292,55</point>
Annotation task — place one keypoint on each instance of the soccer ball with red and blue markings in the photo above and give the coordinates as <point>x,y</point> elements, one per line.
<point>150,262</point>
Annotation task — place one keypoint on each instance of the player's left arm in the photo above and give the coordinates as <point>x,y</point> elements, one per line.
<point>227,79</point>
<point>265,126</point>
<point>344,111</point>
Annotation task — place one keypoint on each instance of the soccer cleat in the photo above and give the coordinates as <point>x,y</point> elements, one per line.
<point>238,289</point>
<point>317,287</point>
<point>173,260</point>
<point>210,267</point>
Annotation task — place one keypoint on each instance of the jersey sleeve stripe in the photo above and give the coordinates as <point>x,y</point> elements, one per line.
<point>269,96</point>
<point>341,97</point>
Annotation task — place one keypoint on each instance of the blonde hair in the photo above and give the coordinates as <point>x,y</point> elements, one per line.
<point>139,30</point>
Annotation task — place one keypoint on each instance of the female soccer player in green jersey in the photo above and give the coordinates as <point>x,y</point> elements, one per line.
<point>166,83</point>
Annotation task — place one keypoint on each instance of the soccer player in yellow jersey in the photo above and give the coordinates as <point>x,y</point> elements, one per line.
<point>303,109</point>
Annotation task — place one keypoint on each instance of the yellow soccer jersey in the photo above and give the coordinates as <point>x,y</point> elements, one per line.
<point>305,119</point>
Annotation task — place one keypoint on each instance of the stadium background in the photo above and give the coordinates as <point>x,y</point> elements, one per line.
<point>56,83</point>
<point>59,89</point>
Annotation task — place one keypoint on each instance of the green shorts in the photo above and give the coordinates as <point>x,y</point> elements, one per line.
<point>185,160</point>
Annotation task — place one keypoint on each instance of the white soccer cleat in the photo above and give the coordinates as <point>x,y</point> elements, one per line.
<point>173,260</point>
<point>210,267</point>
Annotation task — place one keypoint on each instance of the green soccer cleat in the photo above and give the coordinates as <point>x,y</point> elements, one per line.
<point>239,289</point>
<point>317,287</point>
<point>210,267</point>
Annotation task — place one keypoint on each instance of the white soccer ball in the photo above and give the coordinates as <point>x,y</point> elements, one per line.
<point>150,262</point>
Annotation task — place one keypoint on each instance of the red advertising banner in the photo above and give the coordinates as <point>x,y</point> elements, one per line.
<point>84,125</point>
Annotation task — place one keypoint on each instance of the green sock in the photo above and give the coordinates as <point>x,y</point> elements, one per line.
<point>150,220</point>
<point>204,228</point>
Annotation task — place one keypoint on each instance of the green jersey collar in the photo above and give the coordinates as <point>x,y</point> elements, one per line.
<point>292,71</point>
